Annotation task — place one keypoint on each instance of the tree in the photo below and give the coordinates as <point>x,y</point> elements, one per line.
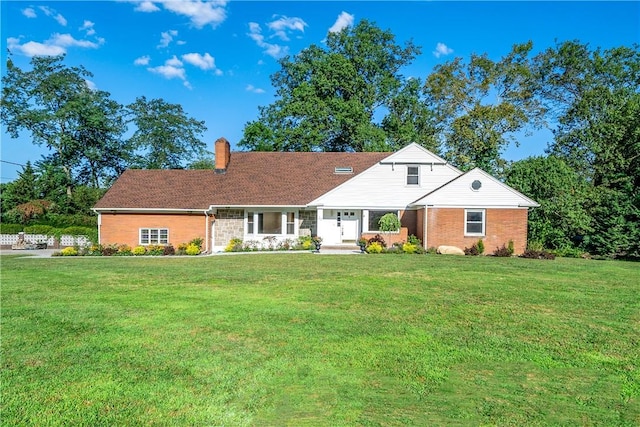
<point>165,134</point>
<point>54,103</point>
<point>595,96</point>
<point>329,97</point>
<point>481,105</point>
<point>563,217</point>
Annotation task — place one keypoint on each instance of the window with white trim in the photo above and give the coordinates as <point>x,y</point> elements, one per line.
<point>374,218</point>
<point>474,223</point>
<point>154,236</point>
<point>271,223</point>
<point>413,175</point>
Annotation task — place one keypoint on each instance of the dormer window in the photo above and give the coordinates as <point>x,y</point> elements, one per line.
<point>343,169</point>
<point>413,175</point>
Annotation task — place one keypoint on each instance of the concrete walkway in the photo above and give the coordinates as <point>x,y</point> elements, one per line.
<point>39,253</point>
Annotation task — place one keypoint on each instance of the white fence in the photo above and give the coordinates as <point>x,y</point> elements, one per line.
<point>65,240</point>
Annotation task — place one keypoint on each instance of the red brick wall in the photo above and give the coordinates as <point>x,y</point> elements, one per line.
<point>124,228</point>
<point>445,226</point>
<point>408,219</point>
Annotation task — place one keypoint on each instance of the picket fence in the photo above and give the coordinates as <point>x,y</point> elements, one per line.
<point>65,240</point>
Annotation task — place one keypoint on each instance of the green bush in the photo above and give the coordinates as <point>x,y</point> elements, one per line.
<point>378,239</point>
<point>139,250</point>
<point>409,248</point>
<point>69,251</point>
<point>480,247</point>
<point>124,250</point>
<point>234,245</point>
<point>40,229</point>
<point>197,242</point>
<point>192,249</point>
<point>414,240</point>
<point>389,222</point>
<point>6,228</point>
<point>374,248</point>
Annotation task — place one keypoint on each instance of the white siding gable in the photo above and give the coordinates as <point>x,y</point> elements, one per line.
<point>384,185</point>
<point>491,193</point>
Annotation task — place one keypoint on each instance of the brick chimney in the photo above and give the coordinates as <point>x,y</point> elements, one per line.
<point>223,155</point>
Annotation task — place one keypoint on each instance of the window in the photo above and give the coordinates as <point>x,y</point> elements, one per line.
<point>374,217</point>
<point>250,223</point>
<point>474,222</point>
<point>154,236</point>
<point>271,223</point>
<point>413,175</point>
<point>291,223</point>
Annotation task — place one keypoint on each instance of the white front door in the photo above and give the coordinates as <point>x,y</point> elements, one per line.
<point>348,226</point>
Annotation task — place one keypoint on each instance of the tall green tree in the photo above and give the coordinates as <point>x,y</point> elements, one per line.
<point>595,96</point>
<point>329,97</point>
<point>54,103</point>
<point>23,189</point>
<point>563,218</point>
<point>482,105</point>
<point>165,135</point>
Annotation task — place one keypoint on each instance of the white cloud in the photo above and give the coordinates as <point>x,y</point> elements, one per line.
<point>273,50</point>
<point>34,48</point>
<point>143,60</point>
<point>66,40</point>
<point>166,38</point>
<point>253,89</point>
<point>169,71</point>
<point>343,21</point>
<point>29,12</point>
<point>442,50</point>
<point>87,26</point>
<point>51,12</point>
<point>147,6</point>
<point>200,13</point>
<point>56,45</point>
<point>284,24</point>
<point>204,62</point>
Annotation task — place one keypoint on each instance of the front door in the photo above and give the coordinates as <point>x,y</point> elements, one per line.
<point>348,226</point>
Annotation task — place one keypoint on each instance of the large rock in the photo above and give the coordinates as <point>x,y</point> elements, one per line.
<point>450,250</point>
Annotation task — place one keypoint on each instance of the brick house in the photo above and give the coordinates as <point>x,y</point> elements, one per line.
<point>337,196</point>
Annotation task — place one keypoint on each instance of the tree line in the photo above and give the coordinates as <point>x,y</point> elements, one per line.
<point>349,94</point>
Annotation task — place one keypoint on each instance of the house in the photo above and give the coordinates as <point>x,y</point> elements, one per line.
<point>337,196</point>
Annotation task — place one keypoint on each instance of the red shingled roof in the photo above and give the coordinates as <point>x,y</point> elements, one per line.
<point>251,179</point>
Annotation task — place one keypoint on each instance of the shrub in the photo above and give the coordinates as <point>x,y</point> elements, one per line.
<point>502,252</point>
<point>251,245</point>
<point>156,250</point>
<point>10,228</point>
<point>234,245</point>
<point>535,254</point>
<point>409,248</point>
<point>192,249</point>
<point>270,242</point>
<point>40,229</point>
<point>182,249</point>
<point>535,245</point>
<point>510,247</point>
<point>305,242</point>
<point>414,240</point>
<point>124,250</point>
<point>197,242</point>
<point>109,250</point>
<point>168,250</point>
<point>69,251</point>
<point>476,249</point>
<point>378,239</point>
<point>374,248</point>
<point>432,250</point>
<point>94,250</point>
<point>139,250</point>
<point>285,245</point>
<point>568,252</point>
<point>389,222</point>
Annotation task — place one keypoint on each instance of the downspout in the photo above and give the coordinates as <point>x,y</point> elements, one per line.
<point>206,230</point>
<point>424,226</point>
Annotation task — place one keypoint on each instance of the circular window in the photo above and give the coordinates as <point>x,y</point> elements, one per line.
<point>475,185</point>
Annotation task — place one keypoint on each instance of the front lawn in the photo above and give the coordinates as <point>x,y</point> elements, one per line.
<point>319,340</point>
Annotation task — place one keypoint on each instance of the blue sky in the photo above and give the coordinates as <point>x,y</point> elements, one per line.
<point>215,57</point>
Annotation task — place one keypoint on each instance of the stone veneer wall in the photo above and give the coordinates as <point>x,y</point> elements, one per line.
<point>307,223</point>
<point>229,225</point>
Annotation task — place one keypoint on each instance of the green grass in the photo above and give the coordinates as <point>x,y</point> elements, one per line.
<point>301,339</point>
